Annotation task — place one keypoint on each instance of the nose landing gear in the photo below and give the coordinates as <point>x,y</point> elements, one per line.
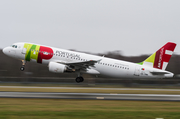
<point>23,65</point>
<point>22,68</point>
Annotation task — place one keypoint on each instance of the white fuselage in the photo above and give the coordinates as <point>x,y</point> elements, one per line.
<point>104,66</point>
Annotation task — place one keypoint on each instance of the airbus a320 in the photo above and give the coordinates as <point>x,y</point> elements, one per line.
<point>62,61</point>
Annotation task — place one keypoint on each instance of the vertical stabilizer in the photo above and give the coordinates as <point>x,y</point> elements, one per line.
<point>161,57</point>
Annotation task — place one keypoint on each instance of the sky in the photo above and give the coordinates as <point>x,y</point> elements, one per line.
<point>134,27</point>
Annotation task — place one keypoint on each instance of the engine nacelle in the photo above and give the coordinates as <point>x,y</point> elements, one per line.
<point>57,67</point>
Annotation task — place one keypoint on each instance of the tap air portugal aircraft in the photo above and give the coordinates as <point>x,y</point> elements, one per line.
<point>61,61</point>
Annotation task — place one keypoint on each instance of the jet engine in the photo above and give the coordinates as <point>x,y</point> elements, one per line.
<point>57,67</point>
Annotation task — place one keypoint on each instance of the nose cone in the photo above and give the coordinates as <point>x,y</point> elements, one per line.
<point>6,50</point>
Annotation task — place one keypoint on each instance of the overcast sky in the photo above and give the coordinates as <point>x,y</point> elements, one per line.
<point>134,27</point>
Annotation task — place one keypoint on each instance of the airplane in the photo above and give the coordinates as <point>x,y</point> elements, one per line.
<point>63,61</point>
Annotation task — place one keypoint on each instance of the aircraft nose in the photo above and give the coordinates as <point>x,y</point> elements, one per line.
<point>5,50</point>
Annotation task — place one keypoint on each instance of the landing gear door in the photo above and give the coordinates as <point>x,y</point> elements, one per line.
<point>137,71</point>
<point>24,51</point>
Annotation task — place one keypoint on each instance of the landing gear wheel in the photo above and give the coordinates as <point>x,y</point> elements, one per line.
<point>23,65</point>
<point>22,68</point>
<point>79,79</point>
<point>82,79</point>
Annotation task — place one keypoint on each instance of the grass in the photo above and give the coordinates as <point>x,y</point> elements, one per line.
<point>96,85</point>
<point>124,91</point>
<point>86,109</point>
<point>17,108</point>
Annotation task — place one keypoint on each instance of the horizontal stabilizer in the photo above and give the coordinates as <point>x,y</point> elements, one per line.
<point>159,73</point>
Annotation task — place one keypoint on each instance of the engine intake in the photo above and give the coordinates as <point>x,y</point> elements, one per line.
<point>57,67</point>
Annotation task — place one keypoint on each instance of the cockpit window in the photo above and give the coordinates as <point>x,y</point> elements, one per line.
<point>14,46</point>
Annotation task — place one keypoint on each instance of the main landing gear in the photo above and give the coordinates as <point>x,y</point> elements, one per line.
<point>23,65</point>
<point>79,79</point>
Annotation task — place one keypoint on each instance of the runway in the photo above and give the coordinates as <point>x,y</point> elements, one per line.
<point>91,96</point>
<point>144,89</point>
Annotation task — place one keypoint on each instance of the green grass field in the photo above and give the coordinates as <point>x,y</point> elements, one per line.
<point>92,90</point>
<point>15,108</point>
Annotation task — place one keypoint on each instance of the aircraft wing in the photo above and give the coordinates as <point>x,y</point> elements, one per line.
<point>81,65</point>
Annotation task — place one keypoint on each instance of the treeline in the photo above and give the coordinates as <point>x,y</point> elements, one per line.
<point>10,67</point>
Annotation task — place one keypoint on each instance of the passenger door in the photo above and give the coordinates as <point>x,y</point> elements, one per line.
<point>137,71</point>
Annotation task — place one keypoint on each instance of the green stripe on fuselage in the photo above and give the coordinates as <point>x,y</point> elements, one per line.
<point>31,52</point>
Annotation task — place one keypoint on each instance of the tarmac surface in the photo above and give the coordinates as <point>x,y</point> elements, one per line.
<point>31,87</point>
<point>91,96</point>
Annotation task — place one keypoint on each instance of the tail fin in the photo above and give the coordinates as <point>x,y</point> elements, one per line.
<point>161,57</point>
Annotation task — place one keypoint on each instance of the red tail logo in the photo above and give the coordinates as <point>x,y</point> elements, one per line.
<point>163,55</point>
